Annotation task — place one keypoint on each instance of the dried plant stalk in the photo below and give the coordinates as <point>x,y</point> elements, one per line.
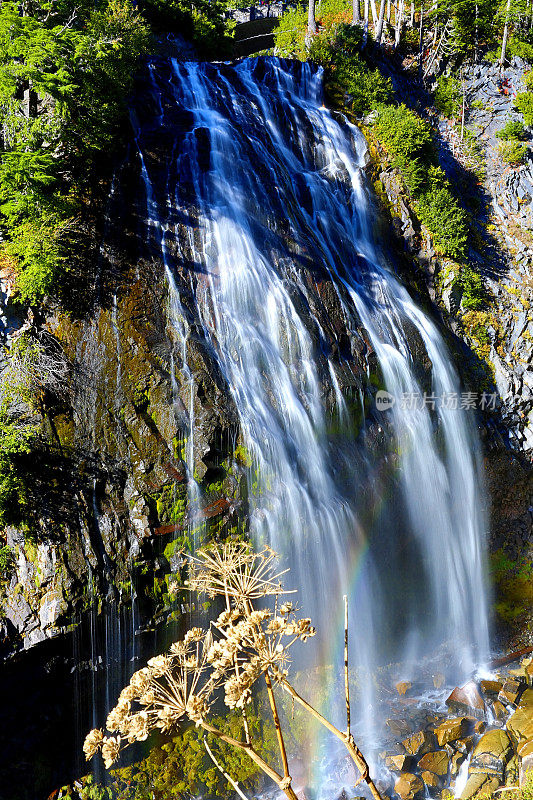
<point>242,645</point>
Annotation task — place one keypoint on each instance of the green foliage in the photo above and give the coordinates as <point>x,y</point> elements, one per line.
<point>524,103</point>
<point>76,62</point>
<point>519,47</point>
<point>7,560</point>
<point>512,152</point>
<point>440,212</point>
<point>448,96</point>
<point>202,22</point>
<point>473,22</point>
<point>472,287</point>
<point>289,36</point>
<point>181,768</point>
<point>512,130</point>
<point>16,442</point>
<point>407,139</point>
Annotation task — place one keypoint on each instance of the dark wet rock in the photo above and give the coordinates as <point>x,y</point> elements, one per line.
<point>510,692</point>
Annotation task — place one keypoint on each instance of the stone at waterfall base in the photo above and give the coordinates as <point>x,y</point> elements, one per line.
<point>477,782</point>
<point>431,780</point>
<point>510,691</point>
<point>402,687</point>
<point>466,698</point>
<point>409,786</point>
<point>451,730</point>
<point>400,763</point>
<point>520,725</point>
<point>418,744</point>
<point>491,754</point>
<point>525,754</point>
<point>435,762</point>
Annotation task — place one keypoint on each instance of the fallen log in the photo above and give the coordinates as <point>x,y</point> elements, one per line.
<point>510,657</point>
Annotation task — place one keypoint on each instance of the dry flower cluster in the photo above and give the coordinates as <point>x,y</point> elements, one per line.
<point>241,646</point>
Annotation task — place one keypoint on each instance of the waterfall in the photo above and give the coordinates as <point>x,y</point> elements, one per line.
<point>258,208</point>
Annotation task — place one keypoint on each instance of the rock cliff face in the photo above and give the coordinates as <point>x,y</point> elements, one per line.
<point>140,455</point>
<point>112,468</point>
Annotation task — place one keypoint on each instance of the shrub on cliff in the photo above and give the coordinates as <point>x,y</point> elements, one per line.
<point>440,212</point>
<point>75,66</point>
<point>512,130</point>
<point>524,103</point>
<point>512,152</point>
<point>408,141</point>
<point>448,96</point>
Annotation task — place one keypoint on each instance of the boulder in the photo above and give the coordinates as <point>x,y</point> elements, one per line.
<point>520,724</point>
<point>409,786</point>
<point>491,754</point>
<point>451,730</point>
<point>430,779</point>
<point>478,782</point>
<point>466,698</point>
<point>438,680</point>
<point>400,763</point>
<point>419,743</point>
<point>402,687</point>
<point>510,691</point>
<point>499,710</point>
<point>436,762</point>
<point>490,688</point>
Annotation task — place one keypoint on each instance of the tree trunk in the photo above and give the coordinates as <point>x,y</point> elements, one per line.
<point>399,22</point>
<point>381,19</point>
<point>356,18</point>
<point>365,24</point>
<point>412,15</point>
<point>374,13</point>
<point>311,19</point>
<point>421,44</point>
<point>505,34</point>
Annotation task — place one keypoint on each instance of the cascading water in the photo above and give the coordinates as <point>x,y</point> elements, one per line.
<point>265,224</point>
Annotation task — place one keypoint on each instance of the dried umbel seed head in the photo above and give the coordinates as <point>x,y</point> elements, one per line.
<point>140,680</point>
<point>138,728</point>
<point>92,743</point>
<point>234,571</point>
<point>110,750</point>
<point>159,665</point>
